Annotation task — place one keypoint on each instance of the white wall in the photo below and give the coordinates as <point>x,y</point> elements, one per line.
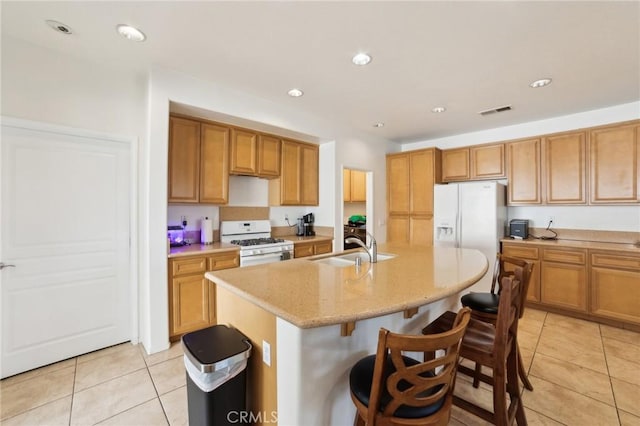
<point>604,218</point>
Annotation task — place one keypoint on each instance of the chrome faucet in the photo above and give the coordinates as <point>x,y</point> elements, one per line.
<point>371,249</point>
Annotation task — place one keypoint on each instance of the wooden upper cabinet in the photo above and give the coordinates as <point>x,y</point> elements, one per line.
<point>309,178</point>
<point>346,185</point>
<point>298,182</point>
<point>357,181</point>
<point>564,166</point>
<point>422,181</point>
<point>455,165</point>
<point>523,172</point>
<point>398,184</point>
<point>268,156</point>
<point>184,160</point>
<point>487,162</point>
<point>244,152</point>
<point>214,164</point>
<point>614,162</point>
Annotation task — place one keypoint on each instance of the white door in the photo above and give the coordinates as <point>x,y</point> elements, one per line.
<point>64,224</point>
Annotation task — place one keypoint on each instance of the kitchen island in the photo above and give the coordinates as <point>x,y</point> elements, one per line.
<point>310,321</point>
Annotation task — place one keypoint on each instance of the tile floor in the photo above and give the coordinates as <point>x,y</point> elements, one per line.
<point>583,374</point>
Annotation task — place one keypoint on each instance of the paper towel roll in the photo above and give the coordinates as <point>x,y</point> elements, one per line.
<point>206,231</point>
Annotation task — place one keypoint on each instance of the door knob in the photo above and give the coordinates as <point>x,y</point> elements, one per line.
<point>4,265</point>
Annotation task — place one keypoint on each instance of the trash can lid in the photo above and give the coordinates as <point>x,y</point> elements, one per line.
<point>216,347</point>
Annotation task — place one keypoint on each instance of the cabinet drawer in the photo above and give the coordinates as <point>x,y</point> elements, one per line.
<point>520,251</point>
<point>579,257</point>
<point>615,260</point>
<point>223,261</point>
<point>190,265</point>
<point>323,247</point>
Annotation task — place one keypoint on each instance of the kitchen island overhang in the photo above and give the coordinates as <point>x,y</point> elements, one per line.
<point>295,311</point>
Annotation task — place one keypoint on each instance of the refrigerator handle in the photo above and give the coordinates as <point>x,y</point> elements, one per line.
<point>459,221</point>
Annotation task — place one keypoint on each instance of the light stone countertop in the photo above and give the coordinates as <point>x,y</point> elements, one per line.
<point>201,249</point>
<point>592,245</point>
<point>309,293</point>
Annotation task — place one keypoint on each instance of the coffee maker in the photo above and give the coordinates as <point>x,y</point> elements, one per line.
<point>308,220</point>
<point>300,227</point>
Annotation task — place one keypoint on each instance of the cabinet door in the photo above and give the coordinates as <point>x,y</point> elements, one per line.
<point>421,230</point>
<point>189,298</point>
<point>615,293</point>
<point>398,229</point>
<point>524,172</point>
<point>268,156</point>
<point>358,186</point>
<point>487,162</point>
<point>244,152</point>
<point>422,181</point>
<point>290,174</point>
<point>455,165</point>
<point>565,168</point>
<point>398,191</point>
<point>184,160</point>
<point>303,249</point>
<point>614,158</point>
<point>564,285</point>
<point>309,175</point>
<point>346,185</point>
<point>323,247</point>
<point>214,164</point>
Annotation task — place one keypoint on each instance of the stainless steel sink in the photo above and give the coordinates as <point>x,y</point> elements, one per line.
<point>350,259</point>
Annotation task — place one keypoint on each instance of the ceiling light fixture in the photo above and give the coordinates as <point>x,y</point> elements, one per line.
<point>540,83</point>
<point>438,109</point>
<point>378,125</point>
<point>59,27</point>
<point>361,59</point>
<point>295,93</point>
<point>130,33</point>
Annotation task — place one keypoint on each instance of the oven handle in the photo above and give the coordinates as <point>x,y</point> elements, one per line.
<point>262,258</point>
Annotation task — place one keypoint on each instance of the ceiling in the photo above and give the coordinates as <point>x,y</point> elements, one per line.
<point>464,56</point>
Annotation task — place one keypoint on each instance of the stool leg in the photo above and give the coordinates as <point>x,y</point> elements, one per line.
<point>522,373</point>
<point>476,376</point>
<point>500,410</point>
<point>358,421</point>
<point>513,386</point>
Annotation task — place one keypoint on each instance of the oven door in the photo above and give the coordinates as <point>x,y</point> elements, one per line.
<point>260,259</point>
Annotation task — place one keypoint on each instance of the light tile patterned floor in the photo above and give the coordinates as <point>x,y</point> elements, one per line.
<point>583,374</point>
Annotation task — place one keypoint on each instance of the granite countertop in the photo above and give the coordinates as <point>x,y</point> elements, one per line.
<point>201,249</point>
<point>302,239</point>
<point>593,245</point>
<point>308,293</point>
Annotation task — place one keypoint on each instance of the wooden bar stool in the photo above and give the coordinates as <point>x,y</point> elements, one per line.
<point>484,306</point>
<point>494,347</point>
<point>389,388</point>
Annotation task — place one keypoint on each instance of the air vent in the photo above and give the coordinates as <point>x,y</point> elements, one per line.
<point>494,110</point>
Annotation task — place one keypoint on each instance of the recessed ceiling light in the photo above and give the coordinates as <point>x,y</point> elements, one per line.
<point>438,109</point>
<point>361,59</point>
<point>295,93</point>
<point>378,125</point>
<point>59,27</point>
<point>130,33</point>
<point>540,83</point>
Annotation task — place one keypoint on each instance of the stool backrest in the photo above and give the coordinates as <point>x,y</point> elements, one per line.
<point>507,265</point>
<point>417,385</point>
<point>508,313</point>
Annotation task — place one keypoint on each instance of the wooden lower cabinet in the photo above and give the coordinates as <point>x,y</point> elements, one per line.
<point>192,298</point>
<point>615,286</point>
<point>594,284</point>
<point>312,248</point>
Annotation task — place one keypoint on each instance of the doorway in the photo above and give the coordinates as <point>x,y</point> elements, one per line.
<point>357,202</point>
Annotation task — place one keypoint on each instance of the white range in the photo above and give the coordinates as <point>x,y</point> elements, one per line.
<point>255,241</point>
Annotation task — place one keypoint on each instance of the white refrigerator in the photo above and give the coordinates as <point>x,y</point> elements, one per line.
<point>471,215</point>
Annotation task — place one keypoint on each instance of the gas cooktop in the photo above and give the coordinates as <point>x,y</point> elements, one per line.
<point>257,241</point>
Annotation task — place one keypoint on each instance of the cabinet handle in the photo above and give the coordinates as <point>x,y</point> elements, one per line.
<point>4,265</point>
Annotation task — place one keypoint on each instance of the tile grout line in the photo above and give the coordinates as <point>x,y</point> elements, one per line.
<point>606,363</point>
<point>73,389</point>
<point>155,388</point>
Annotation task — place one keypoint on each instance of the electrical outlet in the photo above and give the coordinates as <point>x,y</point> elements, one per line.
<point>266,353</point>
<point>551,219</point>
<point>286,217</point>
